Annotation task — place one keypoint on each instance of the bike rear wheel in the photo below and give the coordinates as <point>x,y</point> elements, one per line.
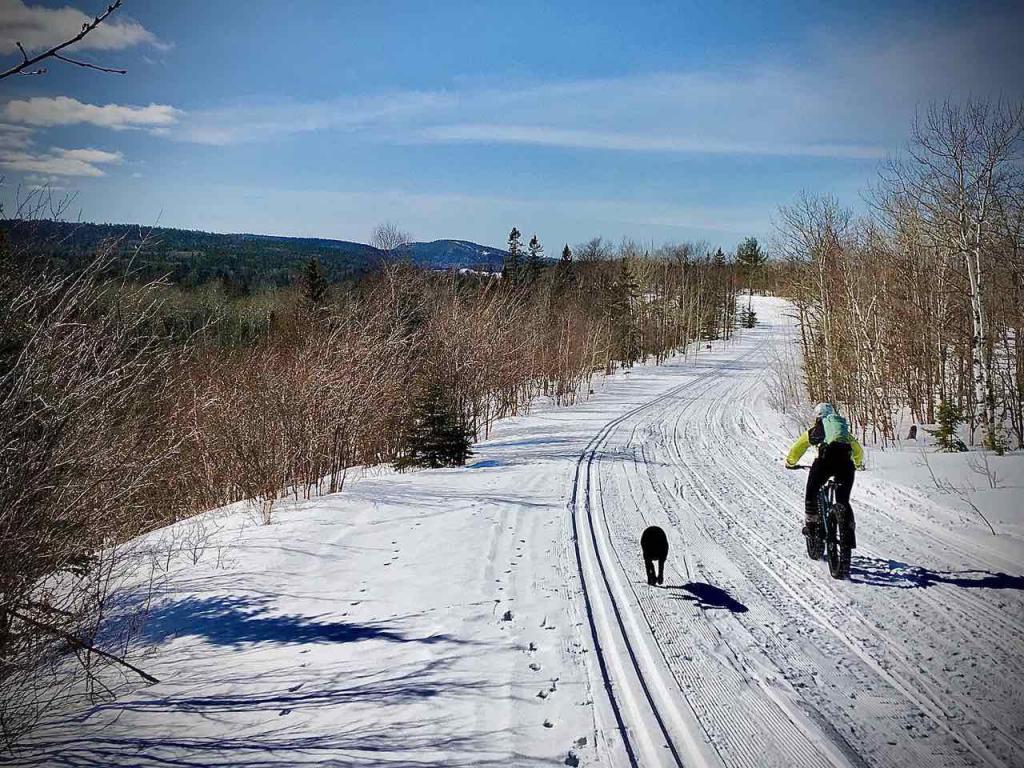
<point>838,541</point>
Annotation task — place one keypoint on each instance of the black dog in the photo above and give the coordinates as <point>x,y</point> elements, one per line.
<point>654,544</point>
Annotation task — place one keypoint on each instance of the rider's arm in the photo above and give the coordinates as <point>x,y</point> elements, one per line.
<point>858,453</point>
<point>797,450</point>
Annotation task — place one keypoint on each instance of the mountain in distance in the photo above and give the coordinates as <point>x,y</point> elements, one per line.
<point>191,257</point>
<point>457,254</point>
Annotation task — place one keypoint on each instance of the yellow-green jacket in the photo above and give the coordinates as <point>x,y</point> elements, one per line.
<point>804,442</point>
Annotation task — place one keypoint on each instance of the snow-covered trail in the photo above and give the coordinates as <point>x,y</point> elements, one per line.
<point>751,655</point>
<point>498,614</point>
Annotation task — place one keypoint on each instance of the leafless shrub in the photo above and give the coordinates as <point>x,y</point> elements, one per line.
<point>83,464</point>
<point>980,463</point>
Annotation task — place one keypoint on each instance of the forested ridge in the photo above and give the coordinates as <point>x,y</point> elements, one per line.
<point>243,263</point>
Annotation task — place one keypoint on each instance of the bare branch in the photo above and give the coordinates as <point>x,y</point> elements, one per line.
<point>90,66</point>
<point>54,52</point>
<point>82,644</point>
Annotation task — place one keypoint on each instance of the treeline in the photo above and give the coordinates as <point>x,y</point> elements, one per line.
<point>920,305</point>
<point>240,263</point>
<point>125,406</point>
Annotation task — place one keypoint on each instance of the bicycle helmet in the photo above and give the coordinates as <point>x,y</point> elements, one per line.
<point>821,410</point>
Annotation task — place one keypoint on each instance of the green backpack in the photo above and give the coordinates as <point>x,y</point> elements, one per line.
<point>837,429</point>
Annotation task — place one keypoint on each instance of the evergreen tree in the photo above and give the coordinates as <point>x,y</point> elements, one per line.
<point>513,268</point>
<point>566,255</point>
<point>437,436</point>
<point>749,254</point>
<point>314,284</point>
<point>534,259</point>
<point>947,418</point>
<point>625,294</point>
<point>750,258</point>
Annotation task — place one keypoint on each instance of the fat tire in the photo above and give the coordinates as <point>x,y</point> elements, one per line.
<point>815,545</point>
<point>837,535</point>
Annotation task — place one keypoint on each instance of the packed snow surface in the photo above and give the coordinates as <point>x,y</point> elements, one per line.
<point>499,614</point>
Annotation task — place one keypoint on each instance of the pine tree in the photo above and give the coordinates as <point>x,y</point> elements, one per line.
<point>314,284</point>
<point>566,255</point>
<point>437,436</point>
<point>625,296</point>
<point>513,268</point>
<point>947,418</point>
<point>750,259</point>
<point>534,259</point>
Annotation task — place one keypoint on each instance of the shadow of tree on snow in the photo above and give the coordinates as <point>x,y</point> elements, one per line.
<point>235,621</point>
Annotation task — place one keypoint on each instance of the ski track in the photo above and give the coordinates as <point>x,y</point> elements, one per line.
<point>801,670</point>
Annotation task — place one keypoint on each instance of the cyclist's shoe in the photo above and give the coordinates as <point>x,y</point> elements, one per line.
<point>811,525</point>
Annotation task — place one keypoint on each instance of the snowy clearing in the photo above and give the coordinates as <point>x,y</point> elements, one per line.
<point>499,614</point>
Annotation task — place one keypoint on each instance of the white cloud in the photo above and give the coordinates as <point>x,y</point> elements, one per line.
<point>35,181</point>
<point>39,28</point>
<point>63,110</point>
<point>14,136</point>
<point>91,155</point>
<point>60,162</point>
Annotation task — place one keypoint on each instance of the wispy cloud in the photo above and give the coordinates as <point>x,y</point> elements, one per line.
<point>627,141</point>
<point>246,124</point>
<point>46,111</point>
<point>692,113</point>
<point>60,162</point>
<point>845,99</point>
<point>37,27</point>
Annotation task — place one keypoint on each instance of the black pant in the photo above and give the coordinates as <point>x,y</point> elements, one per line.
<point>835,460</point>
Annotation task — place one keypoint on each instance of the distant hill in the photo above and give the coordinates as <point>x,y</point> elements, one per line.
<point>191,257</point>
<point>445,254</point>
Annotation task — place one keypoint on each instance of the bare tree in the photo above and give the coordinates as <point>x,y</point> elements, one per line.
<point>27,62</point>
<point>962,161</point>
<point>390,239</point>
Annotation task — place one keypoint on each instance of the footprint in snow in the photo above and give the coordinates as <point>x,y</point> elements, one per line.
<point>284,712</point>
<point>294,688</point>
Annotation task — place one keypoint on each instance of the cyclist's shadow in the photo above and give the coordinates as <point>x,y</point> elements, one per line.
<point>892,573</point>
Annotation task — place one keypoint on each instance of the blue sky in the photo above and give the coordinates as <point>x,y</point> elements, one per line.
<point>661,121</point>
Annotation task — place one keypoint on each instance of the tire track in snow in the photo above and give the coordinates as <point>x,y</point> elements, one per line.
<point>725,491</point>
<point>810,659</point>
<point>644,711</point>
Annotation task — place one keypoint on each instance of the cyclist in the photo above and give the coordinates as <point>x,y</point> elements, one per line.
<point>839,454</point>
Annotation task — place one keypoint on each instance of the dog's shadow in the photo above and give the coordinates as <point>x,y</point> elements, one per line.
<point>708,596</point>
